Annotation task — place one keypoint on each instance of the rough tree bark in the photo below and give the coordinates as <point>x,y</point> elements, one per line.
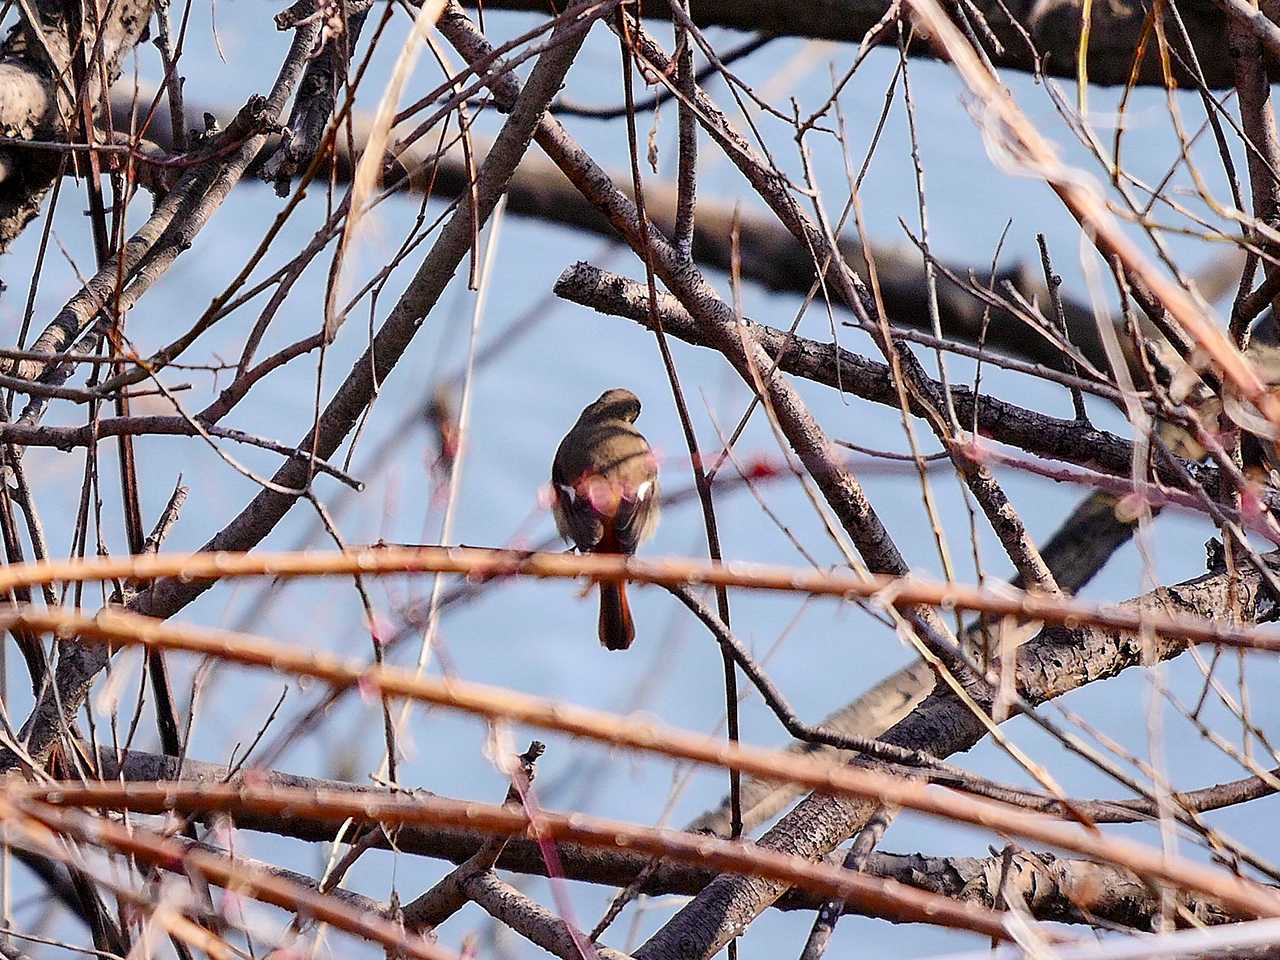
<point>36,99</point>
<point>1053,26</point>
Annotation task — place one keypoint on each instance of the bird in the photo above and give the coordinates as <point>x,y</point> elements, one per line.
<point>604,481</point>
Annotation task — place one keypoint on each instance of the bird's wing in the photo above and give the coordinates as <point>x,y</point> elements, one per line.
<point>575,519</point>
<point>636,516</point>
<point>605,487</point>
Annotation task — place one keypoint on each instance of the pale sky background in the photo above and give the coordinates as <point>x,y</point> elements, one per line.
<point>540,637</point>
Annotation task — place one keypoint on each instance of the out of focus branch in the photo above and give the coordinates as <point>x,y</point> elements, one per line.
<point>1052,25</point>
<point>767,253</point>
<point>1057,661</point>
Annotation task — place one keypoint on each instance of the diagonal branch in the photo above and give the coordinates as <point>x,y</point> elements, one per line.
<point>81,664</point>
<point>1055,662</point>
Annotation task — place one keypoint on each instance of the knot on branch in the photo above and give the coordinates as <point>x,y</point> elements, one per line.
<point>255,117</point>
<point>297,14</point>
<point>333,13</point>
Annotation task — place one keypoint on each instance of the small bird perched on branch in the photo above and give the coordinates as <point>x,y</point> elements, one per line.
<point>605,484</point>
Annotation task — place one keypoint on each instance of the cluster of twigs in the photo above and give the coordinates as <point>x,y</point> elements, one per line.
<point>133,850</point>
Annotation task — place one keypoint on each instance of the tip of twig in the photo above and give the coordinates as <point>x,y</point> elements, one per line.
<point>536,749</point>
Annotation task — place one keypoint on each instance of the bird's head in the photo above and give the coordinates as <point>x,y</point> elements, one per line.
<point>616,404</point>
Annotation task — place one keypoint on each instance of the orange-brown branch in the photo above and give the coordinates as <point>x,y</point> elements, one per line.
<point>485,563</point>
<point>496,703</point>
<point>18,804</point>
<point>885,898</point>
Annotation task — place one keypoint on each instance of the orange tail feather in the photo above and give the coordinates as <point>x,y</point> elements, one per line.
<point>617,630</point>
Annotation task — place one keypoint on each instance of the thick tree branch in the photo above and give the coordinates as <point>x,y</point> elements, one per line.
<point>35,96</point>
<point>766,252</point>
<point>531,920</point>
<point>1053,26</point>
<point>1080,548</point>
<point>1078,443</point>
<point>1055,888</point>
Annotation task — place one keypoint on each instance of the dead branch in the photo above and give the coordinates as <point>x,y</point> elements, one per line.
<point>889,899</point>
<point>1045,671</point>
<point>206,567</point>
